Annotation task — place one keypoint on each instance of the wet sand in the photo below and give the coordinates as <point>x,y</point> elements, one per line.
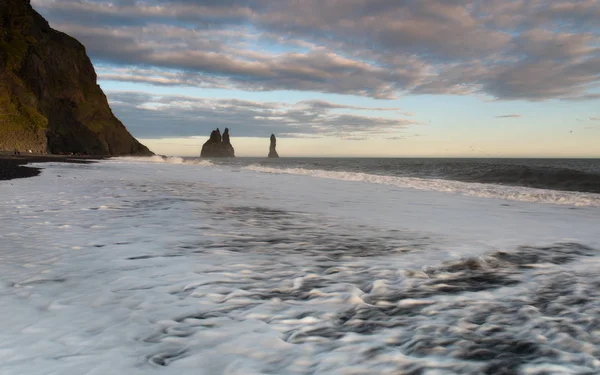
<point>12,167</point>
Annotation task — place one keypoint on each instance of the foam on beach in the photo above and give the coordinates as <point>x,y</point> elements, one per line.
<point>162,160</point>
<point>517,193</point>
<point>139,267</point>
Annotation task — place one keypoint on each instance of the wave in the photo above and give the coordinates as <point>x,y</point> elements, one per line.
<point>162,160</point>
<point>482,190</point>
<point>545,177</point>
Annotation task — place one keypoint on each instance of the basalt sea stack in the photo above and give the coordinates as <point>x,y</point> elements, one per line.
<point>217,146</point>
<point>49,99</point>
<point>272,150</point>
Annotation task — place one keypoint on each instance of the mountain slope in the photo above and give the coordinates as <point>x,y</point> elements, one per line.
<point>49,98</point>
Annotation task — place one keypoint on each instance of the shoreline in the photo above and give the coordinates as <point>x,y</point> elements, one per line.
<point>13,167</point>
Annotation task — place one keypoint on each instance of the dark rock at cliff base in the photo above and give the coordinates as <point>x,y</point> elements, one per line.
<point>272,150</point>
<point>49,99</point>
<point>217,146</point>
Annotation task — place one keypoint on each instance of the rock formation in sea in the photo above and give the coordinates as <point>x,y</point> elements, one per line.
<point>272,150</point>
<point>217,146</point>
<point>49,99</point>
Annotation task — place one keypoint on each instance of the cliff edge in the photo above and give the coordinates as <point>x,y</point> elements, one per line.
<point>49,99</point>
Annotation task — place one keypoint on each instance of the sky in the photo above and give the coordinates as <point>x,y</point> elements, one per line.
<point>377,78</point>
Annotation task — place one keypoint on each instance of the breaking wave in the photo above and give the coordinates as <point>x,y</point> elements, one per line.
<point>483,190</point>
<point>544,177</point>
<point>162,160</point>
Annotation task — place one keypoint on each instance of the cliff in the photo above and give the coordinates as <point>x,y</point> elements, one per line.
<point>217,146</point>
<point>272,150</point>
<point>49,99</point>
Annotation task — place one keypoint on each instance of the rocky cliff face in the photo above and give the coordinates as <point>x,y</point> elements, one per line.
<point>49,98</point>
<point>272,150</point>
<point>217,146</point>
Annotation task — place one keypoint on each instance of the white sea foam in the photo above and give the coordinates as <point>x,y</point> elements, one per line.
<point>201,271</point>
<point>516,193</point>
<point>161,160</point>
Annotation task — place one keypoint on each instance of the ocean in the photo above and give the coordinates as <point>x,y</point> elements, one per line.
<point>581,175</point>
<point>302,266</point>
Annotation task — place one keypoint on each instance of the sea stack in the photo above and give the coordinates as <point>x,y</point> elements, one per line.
<point>49,98</point>
<point>217,146</point>
<point>272,150</point>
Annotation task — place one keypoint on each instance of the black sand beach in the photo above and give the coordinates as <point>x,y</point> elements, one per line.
<point>12,167</point>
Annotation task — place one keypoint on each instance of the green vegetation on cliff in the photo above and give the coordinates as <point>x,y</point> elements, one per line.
<point>49,98</point>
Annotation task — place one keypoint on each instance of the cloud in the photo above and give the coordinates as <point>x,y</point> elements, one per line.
<point>354,138</point>
<point>325,105</point>
<point>508,116</point>
<point>155,116</point>
<point>502,49</point>
<point>583,97</point>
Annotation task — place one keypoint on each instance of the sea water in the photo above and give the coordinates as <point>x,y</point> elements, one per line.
<point>249,266</point>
